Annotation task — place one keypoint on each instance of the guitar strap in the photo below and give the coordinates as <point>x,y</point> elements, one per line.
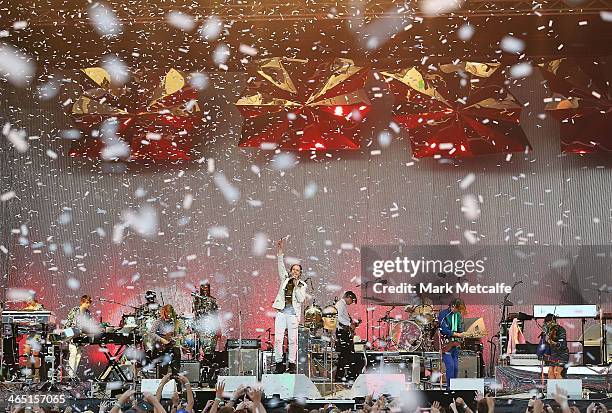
<point>455,322</point>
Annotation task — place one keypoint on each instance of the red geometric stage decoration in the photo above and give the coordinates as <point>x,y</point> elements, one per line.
<point>582,101</point>
<point>153,114</point>
<point>457,110</point>
<point>297,104</point>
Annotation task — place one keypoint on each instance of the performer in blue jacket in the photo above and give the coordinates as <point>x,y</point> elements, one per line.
<point>451,331</point>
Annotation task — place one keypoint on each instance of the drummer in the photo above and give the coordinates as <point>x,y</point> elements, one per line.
<point>421,307</point>
<point>146,314</point>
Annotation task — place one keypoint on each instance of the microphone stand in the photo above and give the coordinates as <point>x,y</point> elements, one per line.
<point>3,368</point>
<point>493,350</point>
<point>105,300</point>
<point>239,337</point>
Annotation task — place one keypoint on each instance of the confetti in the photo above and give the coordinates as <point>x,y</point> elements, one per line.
<point>104,20</point>
<point>180,20</point>
<point>15,66</point>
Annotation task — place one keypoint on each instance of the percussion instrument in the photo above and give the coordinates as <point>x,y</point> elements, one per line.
<point>423,314</point>
<point>313,317</point>
<point>407,335</point>
<point>189,342</point>
<point>145,323</point>
<point>330,317</point>
<point>128,320</point>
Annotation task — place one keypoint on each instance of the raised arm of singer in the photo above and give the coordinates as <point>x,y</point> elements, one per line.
<point>288,304</point>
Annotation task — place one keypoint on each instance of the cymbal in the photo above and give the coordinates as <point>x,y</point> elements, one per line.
<point>387,319</point>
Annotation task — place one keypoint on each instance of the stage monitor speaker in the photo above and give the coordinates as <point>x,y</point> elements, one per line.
<point>250,362</point>
<point>573,387</point>
<point>289,386</point>
<point>191,370</point>
<point>467,384</point>
<point>407,364</point>
<point>151,385</point>
<point>592,355</point>
<point>379,384</point>
<point>233,382</point>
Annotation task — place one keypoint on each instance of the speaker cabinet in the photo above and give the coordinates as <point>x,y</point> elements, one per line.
<point>191,370</point>
<point>468,366</point>
<point>251,365</point>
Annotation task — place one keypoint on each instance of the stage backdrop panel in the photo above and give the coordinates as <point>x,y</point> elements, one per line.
<point>61,229</point>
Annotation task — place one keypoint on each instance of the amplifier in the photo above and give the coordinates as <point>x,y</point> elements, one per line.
<point>250,362</point>
<point>247,343</point>
<point>592,355</point>
<point>524,360</point>
<point>191,370</point>
<point>527,348</point>
<point>469,364</point>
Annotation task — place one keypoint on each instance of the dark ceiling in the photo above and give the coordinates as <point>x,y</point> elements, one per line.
<point>60,35</point>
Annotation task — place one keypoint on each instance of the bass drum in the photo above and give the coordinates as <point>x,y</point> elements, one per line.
<point>330,317</point>
<point>407,335</point>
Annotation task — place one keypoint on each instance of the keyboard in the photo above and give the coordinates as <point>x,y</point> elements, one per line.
<point>23,316</point>
<point>107,338</point>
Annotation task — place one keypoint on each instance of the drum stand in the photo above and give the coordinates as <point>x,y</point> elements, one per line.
<point>51,385</point>
<point>441,362</point>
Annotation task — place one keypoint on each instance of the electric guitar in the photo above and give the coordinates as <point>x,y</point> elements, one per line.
<point>354,324</point>
<point>171,338</point>
<point>449,343</point>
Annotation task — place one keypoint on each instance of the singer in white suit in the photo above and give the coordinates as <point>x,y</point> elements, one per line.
<point>288,304</point>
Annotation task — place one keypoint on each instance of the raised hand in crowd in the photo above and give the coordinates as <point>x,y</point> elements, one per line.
<point>190,399</point>
<point>256,396</point>
<point>561,397</point>
<point>596,408</point>
<point>121,400</point>
<point>103,406</point>
<point>153,401</point>
<point>161,386</point>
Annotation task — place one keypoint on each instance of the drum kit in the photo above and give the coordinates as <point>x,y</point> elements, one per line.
<point>142,321</point>
<point>413,334</point>
<point>416,333</point>
<point>316,318</point>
